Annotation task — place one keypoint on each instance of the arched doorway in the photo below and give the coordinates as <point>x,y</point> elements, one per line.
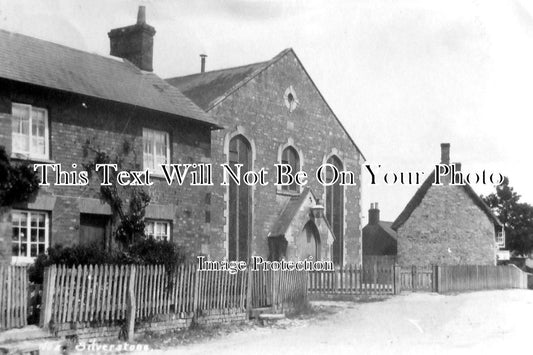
<point>308,242</point>
<point>240,201</point>
<point>335,210</point>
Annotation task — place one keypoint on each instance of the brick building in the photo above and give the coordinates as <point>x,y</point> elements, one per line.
<point>55,100</point>
<point>378,236</point>
<point>447,224</point>
<point>274,113</point>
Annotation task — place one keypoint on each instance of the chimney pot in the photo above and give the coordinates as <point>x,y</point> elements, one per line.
<point>202,61</point>
<point>373,214</point>
<point>445,153</point>
<point>141,15</point>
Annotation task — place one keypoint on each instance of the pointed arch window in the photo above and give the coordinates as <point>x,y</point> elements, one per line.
<point>240,201</point>
<point>291,157</point>
<point>335,210</point>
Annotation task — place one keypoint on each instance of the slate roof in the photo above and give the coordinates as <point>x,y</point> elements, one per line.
<point>206,89</point>
<point>386,226</point>
<point>211,88</point>
<point>287,215</point>
<point>30,60</point>
<point>423,189</point>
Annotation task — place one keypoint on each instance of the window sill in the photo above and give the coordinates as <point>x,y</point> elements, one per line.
<point>22,260</point>
<point>20,156</point>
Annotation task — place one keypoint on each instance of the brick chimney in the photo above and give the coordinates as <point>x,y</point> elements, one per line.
<point>457,166</point>
<point>445,153</point>
<point>373,214</point>
<point>134,43</point>
<point>202,62</point>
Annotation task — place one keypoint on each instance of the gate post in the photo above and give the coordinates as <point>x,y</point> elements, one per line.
<point>249,285</point>
<point>436,278</point>
<point>47,300</point>
<point>414,280</point>
<point>131,305</point>
<point>396,279</point>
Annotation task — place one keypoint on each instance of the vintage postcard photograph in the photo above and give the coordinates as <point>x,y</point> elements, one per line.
<point>266,177</point>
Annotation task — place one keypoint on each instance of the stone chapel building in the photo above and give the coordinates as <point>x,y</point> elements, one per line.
<point>272,112</point>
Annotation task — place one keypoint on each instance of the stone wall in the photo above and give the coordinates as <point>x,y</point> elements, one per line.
<point>257,110</point>
<point>447,228</point>
<point>163,324</point>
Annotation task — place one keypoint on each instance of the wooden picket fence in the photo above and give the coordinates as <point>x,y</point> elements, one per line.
<point>13,296</point>
<point>220,290</point>
<point>278,289</point>
<point>353,280</point>
<point>99,293</point>
<point>107,293</point>
<point>458,278</point>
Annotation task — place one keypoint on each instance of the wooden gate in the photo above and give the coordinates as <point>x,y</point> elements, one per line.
<point>417,278</point>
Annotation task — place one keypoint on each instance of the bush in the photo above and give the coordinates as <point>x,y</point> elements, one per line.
<point>144,251</point>
<point>17,182</point>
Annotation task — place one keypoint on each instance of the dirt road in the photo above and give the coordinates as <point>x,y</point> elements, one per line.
<point>491,322</point>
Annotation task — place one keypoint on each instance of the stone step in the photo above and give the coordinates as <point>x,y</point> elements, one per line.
<point>258,311</point>
<point>270,318</point>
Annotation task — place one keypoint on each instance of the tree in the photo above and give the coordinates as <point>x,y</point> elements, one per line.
<point>128,203</point>
<point>517,217</point>
<point>18,183</point>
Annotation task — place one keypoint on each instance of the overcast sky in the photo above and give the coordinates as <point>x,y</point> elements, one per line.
<point>402,76</point>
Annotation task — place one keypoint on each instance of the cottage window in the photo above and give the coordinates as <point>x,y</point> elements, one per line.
<point>159,230</point>
<point>30,235</point>
<point>500,239</point>
<point>290,156</point>
<point>156,149</point>
<point>29,127</point>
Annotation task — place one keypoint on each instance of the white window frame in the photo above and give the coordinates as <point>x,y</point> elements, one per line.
<point>500,239</point>
<point>14,136</point>
<point>25,259</point>
<point>150,134</point>
<point>155,223</point>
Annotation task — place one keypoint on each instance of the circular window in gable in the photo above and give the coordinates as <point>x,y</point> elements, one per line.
<point>291,101</point>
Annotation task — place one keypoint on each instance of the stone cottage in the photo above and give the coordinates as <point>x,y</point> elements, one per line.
<point>54,100</point>
<point>447,224</point>
<point>272,112</point>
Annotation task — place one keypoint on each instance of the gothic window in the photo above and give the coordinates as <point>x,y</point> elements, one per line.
<point>335,210</point>
<point>240,201</point>
<point>290,156</point>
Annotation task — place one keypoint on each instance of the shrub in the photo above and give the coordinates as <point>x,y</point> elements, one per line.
<point>144,251</point>
<point>17,182</point>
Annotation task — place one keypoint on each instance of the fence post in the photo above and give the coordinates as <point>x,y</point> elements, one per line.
<point>414,280</point>
<point>396,275</point>
<point>47,300</point>
<point>436,278</point>
<point>249,285</point>
<point>131,304</point>
<point>196,292</point>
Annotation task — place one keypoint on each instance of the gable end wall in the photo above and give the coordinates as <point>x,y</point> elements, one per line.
<point>447,228</point>
<point>258,109</point>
